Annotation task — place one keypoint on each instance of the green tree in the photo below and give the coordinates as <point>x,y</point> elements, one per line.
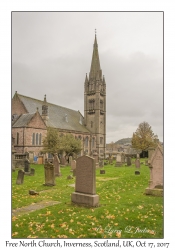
<point>70,145</point>
<point>52,142</point>
<point>144,137</point>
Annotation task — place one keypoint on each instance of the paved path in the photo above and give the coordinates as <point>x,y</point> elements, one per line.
<point>33,207</point>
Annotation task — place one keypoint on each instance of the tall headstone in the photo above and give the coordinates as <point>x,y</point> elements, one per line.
<point>31,156</point>
<point>156,173</point>
<point>49,174</point>
<point>73,164</point>
<point>128,161</point>
<point>118,160</point>
<point>32,171</point>
<point>123,158</point>
<point>63,161</point>
<point>56,163</point>
<point>20,177</point>
<point>85,185</point>
<point>95,156</point>
<point>137,163</point>
<point>26,166</point>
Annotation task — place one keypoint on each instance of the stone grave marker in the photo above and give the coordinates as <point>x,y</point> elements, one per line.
<point>95,156</point>
<point>73,164</point>
<point>156,173</point>
<point>31,156</point>
<point>102,171</point>
<point>128,161</point>
<point>85,185</point>
<point>118,160</point>
<point>123,158</point>
<point>70,160</point>
<point>32,171</point>
<point>20,177</point>
<point>27,166</point>
<point>101,164</point>
<point>56,163</point>
<point>137,163</point>
<point>49,174</point>
<point>63,161</point>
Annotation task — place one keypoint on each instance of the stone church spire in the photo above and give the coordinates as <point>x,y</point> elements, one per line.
<point>95,70</point>
<point>95,104</point>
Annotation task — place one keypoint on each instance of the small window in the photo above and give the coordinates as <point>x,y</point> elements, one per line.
<point>36,138</point>
<point>93,142</point>
<point>86,142</point>
<point>33,139</point>
<point>91,124</point>
<point>101,140</point>
<point>40,137</point>
<point>17,138</point>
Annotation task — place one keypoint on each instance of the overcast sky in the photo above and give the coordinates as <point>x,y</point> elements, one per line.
<point>52,52</point>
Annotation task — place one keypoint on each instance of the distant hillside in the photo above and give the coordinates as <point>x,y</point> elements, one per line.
<point>123,141</point>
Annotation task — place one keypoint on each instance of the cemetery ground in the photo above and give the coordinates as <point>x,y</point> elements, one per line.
<point>124,210</point>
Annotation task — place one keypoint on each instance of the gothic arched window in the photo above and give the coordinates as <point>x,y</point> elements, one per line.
<point>40,136</point>
<point>33,139</point>
<point>36,138</point>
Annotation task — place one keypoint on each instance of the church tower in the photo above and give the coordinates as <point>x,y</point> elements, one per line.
<point>95,102</point>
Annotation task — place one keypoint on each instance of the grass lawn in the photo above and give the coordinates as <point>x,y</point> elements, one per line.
<point>124,210</point>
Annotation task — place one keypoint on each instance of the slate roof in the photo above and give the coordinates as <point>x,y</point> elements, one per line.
<point>57,115</point>
<point>23,120</point>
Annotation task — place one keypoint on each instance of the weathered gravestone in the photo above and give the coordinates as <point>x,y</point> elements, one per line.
<point>49,174</point>
<point>101,163</point>
<point>73,165</point>
<point>156,174</point>
<point>70,160</point>
<point>56,163</point>
<point>110,161</point>
<point>137,163</point>
<point>128,161</point>
<point>31,156</point>
<point>85,185</point>
<point>27,166</point>
<point>123,158</point>
<point>62,161</point>
<point>32,171</point>
<point>20,177</point>
<point>95,156</point>
<point>118,160</point>
<point>102,171</point>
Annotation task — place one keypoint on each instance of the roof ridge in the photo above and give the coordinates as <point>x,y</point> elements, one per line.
<point>48,103</point>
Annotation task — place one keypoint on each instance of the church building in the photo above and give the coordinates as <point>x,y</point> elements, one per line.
<point>31,117</point>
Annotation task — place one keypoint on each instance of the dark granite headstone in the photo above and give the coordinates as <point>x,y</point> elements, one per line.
<point>20,177</point>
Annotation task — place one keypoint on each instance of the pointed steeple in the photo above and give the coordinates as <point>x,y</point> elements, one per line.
<point>95,70</point>
<point>86,78</point>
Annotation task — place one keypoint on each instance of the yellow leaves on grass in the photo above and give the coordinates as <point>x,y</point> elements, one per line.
<point>118,234</point>
<point>64,224</point>
<point>152,232</point>
<point>15,233</point>
<point>62,236</point>
<point>140,207</point>
<point>14,218</point>
<point>110,216</point>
